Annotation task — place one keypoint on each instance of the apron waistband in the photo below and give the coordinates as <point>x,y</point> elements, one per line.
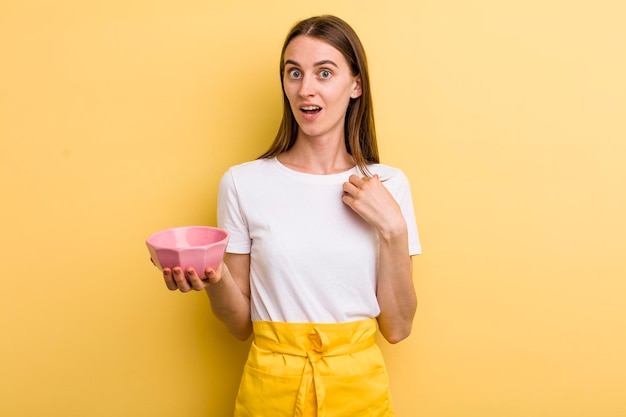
<point>314,341</point>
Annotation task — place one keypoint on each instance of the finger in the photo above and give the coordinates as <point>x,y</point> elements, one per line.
<point>169,279</point>
<point>181,281</point>
<point>347,199</point>
<point>212,276</point>
<point>194,280</point>
<point>356,180</point>
<point>350,188</point>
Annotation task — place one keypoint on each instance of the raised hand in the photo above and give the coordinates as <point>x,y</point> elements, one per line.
<point>369,198</point>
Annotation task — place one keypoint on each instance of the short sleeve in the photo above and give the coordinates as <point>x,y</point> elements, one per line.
<point>400,188</point>
<point>230,216</point>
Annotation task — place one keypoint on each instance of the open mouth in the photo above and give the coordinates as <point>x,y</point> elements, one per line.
<point>310,110</point>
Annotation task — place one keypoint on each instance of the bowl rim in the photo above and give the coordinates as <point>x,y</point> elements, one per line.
<point>150,239</point>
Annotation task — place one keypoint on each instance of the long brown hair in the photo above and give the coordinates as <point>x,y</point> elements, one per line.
<point>360,133</point>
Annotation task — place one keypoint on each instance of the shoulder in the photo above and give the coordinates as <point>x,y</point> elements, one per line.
<point>248,170</point>
<point>393,178</point>
<point>251,167</point>
<point>388,173</point>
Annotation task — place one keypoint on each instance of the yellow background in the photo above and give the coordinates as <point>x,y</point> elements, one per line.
<point>117,119</point>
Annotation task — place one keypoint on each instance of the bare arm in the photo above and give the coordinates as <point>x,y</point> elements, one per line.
<point>230,296</point>
<point>395,290</point>
<point>228,289</point>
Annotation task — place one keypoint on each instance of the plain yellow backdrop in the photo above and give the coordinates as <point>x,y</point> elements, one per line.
<point>117,119</point>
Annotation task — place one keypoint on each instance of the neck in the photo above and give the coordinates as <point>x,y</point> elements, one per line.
<point>317,156</point>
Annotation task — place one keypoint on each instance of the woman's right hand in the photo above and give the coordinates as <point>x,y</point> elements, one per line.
<point>228,288</point>
<point>187,280</point>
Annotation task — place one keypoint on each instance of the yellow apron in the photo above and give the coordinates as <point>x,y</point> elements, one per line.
<point>308,369</point>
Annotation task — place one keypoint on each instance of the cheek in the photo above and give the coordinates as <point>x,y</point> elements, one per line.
<point>290,98</point>
<point>290,92</point>
<point>338,101</point>
<point>292,104</point>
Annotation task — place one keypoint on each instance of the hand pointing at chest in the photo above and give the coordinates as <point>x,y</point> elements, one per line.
<point>371,200</point>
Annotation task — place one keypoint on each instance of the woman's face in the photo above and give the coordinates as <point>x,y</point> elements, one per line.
<point>319,84</point>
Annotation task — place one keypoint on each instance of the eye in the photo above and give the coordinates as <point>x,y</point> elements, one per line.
<point>325,74</point>
<point>294,73</point>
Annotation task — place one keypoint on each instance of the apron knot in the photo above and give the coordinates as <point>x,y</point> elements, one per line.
<point>315,343</point>
<point>320,342</point>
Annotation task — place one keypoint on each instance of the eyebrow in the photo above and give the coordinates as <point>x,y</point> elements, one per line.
<point>317,64</point>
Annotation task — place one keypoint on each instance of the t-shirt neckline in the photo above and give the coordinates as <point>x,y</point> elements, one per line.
<point>314,178</point>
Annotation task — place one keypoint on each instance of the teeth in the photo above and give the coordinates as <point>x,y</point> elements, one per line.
<point>310,108</point>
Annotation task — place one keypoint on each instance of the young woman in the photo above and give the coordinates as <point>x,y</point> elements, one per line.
<point>321,239</point>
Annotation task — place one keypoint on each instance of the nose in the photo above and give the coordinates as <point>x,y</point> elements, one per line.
<point>307,87</point>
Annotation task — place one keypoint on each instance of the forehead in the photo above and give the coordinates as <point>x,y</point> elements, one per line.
<point>307,49</point>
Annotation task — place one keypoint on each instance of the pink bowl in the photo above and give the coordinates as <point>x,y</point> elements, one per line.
<point>199,247</point>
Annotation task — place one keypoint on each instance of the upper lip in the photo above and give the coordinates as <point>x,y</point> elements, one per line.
<point>309,105</point>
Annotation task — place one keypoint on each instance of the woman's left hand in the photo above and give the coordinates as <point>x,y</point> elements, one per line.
<point>371,200</point>
<point>394,288</point>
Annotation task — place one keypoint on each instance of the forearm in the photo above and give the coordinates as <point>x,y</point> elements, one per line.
<point>230,305</point>
<point>395,289</point>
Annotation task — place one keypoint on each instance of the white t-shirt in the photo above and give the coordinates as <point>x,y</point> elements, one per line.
<point>312,258</point>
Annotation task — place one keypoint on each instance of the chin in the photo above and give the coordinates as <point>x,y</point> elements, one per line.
<point>311,132</point>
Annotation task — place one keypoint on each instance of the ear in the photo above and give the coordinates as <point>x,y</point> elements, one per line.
<point>357,90</point>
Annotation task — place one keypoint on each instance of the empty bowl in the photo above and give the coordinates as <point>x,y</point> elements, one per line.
<point>199,247</point>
